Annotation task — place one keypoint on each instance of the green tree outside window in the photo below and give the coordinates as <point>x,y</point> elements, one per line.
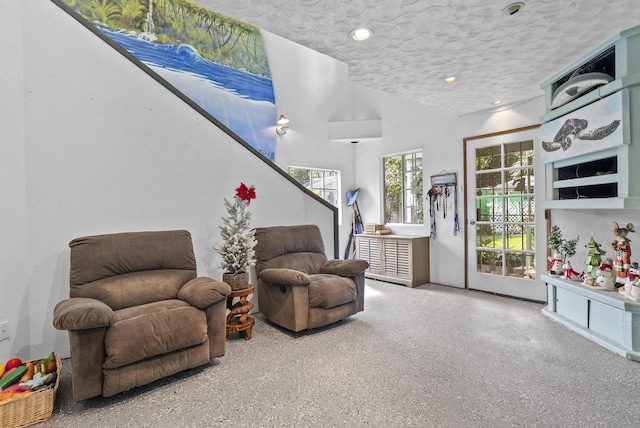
<point>403,189</point>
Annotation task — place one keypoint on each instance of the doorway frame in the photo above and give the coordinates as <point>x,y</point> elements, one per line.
<point>465,195</point>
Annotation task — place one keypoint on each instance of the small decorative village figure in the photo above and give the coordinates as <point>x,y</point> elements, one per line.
<point>631,288</point>
<point>621,250</point>
<point>594,258</point>
<point>554,243</point>
<point>569,273</point>
<point>605,276</point>
<point>563,250</point>
<point>568,250</point>
<point>555,265</point>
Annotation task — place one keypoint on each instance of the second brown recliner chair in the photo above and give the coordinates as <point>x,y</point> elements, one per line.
<point>298,287</point>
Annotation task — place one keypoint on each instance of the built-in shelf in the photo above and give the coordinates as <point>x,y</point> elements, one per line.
<point>593,178</point>
<point>588,181</point>
<point>604,316</point>
<point>603,203</point>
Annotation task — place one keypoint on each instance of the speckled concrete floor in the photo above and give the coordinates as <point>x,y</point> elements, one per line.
<point>430,356</point>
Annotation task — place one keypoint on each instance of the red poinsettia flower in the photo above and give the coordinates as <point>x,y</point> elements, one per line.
<point>245,193</point>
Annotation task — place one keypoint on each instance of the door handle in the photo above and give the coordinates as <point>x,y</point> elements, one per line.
<point>472,222</point>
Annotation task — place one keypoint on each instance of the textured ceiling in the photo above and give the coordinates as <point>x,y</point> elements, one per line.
<point>417,43</point>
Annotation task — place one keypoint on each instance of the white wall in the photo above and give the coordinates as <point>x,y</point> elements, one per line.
<point>408,126</point>
<point>311,89</point>
<point>13,217</point>
<point>102,148</point>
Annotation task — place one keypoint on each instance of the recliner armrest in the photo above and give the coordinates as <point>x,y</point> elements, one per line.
<point>81,313</point>
<point>203,291</point>
<point>282,276</point>
<point>348,268</point>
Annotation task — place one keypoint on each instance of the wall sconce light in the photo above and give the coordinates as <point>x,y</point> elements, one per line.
<point>283,125</point>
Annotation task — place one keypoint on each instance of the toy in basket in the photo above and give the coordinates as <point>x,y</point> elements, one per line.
<point>28,390</point>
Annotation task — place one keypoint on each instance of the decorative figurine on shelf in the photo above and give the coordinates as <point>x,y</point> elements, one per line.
<point>631,288</point>
<point>594,258</point>
<point>587,279</point>
<point>556,265</point>
<point>621,250</point>
<point>554,242</point>
<point>605,276</point>
<point>568,250</point>
<point>563,250</point>
<point>569,273</point>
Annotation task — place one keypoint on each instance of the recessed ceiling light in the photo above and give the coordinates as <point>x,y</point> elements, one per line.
<point>361,34</point>
<point>451,79</point>
<point>513,8</point>
<point>497,102</point>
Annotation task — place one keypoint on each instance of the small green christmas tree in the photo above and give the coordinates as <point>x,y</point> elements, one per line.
<point>237,248</point>
<point>594,257</point>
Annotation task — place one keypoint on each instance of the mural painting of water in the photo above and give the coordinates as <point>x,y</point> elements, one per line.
<point>217,62</point>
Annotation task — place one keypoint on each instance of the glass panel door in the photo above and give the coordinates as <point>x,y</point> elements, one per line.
<point>501,244</point>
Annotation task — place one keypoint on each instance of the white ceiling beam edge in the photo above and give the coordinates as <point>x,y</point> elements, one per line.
<point>349,131</point>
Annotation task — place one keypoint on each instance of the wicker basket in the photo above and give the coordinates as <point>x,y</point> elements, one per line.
<point>237,281</point>
<point>29,409</point>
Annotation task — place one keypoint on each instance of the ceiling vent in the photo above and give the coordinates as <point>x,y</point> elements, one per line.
<point>513,8</point>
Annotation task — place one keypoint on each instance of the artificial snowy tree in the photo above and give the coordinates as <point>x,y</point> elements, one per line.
<point>237,248</point>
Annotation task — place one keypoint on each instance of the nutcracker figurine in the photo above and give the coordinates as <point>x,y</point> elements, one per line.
<point>621,251</point>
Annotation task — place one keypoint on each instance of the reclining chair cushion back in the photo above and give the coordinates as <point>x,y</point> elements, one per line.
<point>129,269</point>
<point>293,247</point>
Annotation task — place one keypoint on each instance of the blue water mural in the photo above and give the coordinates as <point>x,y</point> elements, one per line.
<point>242,101</point>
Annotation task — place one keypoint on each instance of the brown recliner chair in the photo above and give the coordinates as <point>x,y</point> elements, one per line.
<point>137,312</point>
<point>298,288</point>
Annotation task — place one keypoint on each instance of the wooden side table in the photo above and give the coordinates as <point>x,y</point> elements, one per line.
<point>238,318</point>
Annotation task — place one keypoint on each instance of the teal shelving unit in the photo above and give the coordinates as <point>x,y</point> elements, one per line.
<point>606,317</point>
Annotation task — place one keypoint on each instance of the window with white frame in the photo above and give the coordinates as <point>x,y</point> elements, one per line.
<point>403,201</point>
<point>323,182</point>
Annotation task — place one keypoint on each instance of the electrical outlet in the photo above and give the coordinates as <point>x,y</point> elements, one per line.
<point>4,330</point>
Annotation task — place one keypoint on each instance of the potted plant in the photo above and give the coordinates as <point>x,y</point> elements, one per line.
<point>554,242</point>
<point>562,250</point>
<point>237,248</point>
<point>568,250</point>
